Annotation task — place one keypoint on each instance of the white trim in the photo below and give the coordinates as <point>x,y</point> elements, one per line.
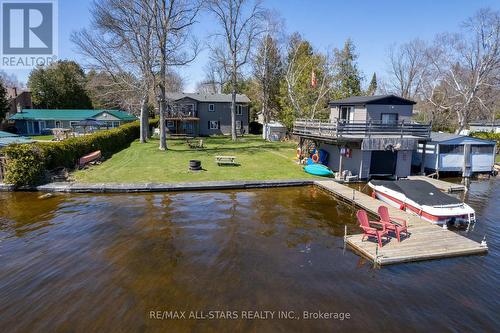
<point>239,110</point>
<point>212,109</point>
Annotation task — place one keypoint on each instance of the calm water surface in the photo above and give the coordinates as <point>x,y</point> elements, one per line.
<point>82,263</point>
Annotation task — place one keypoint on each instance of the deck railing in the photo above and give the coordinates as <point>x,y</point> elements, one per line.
<point>337,129</point>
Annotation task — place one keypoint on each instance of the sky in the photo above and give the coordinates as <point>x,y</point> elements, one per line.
<point>373,26</point>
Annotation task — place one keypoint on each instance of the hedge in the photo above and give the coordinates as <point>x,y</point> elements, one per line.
<point>27,164</point>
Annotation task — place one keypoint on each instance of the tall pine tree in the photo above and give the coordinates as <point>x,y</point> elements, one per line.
<point>372,88</point>
<point>347,75</point>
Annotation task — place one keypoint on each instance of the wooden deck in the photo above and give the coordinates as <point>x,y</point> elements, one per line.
<point>427,241</point>
<point>441,184</point>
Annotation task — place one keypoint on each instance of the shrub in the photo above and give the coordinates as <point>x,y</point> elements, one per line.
<point>25,164</point>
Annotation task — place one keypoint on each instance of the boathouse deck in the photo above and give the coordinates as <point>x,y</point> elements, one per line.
<point>427,241</point>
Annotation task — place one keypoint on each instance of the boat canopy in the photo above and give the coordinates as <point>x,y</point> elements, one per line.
<point>419,191</point>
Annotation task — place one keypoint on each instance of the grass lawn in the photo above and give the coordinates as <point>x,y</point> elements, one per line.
<point>42,137</point>
<point>497,158</point>
<point>258,160</point>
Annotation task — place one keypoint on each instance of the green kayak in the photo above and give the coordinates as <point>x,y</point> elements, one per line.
<point>318,170</point>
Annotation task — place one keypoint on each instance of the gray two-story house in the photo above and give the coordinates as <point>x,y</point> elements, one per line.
<point>367,136</point>
<point>199,114</point>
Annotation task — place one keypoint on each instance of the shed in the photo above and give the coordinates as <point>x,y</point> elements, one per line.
<point>274,131</point>
<point>454,153</point>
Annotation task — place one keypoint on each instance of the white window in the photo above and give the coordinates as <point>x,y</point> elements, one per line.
<point>116,124</point>
<point>211,107</point>
<point>346,113</point>
<point>213,124</point>
<point>73,123</point>
<point>239,110</point>
<point>238,124</point>
<point>170,124</point>
<point>58,124</point>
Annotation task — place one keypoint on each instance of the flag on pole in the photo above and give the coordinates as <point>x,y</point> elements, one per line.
<point>314,82</point>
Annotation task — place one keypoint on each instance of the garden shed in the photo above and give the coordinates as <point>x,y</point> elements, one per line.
<point>454,153</point>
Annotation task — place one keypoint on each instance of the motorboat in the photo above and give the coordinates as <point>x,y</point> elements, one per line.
<point>423,199</point>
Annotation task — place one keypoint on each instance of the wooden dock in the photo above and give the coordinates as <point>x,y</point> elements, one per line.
<point>441,184</point>
<point>427,241</point>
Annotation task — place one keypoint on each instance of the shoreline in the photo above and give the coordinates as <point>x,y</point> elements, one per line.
<point>73,187</point>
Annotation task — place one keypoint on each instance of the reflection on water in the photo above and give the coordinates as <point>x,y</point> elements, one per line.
<point>102,262</point>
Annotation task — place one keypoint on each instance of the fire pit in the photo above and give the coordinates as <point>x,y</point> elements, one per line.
<point>194,165</point>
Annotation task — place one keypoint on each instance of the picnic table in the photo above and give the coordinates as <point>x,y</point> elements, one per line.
<point>226,160</point>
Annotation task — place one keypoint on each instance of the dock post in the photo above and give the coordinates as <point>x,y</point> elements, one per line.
<point>445,226</point>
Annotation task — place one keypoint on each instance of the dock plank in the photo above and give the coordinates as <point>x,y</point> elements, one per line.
<point>427,241</point>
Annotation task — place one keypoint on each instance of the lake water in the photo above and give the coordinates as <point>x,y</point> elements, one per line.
<point>82,263</point>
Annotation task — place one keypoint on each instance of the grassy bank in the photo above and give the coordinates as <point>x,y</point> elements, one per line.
<point>145,163</point>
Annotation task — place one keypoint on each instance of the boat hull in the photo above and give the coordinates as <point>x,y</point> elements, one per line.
<point>458,215</point>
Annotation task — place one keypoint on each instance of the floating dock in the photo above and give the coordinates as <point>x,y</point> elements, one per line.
<point>441,184</point>
<point>427,241</point>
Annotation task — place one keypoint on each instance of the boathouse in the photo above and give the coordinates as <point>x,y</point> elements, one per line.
<point>366,136</point>
<point>452,153</point>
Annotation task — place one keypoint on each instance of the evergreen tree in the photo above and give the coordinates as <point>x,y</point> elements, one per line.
<point>372,88</point>
<point>4,102</point>
<point>60,85</point>
<point>347,75</point>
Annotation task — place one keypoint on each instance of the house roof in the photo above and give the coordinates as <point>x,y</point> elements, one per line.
<point>485,123</point>
<point>450,138</point>
<point>56,114</point>
<point>378,99</point>
<point>201,97</point>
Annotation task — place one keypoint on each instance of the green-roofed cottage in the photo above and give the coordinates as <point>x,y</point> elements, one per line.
<point>38,121</point>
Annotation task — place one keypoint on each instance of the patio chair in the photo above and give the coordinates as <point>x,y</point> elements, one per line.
<point>369,231</point>
<point>386,220</point>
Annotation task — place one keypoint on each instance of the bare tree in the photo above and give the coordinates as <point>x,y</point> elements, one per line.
<point>215,78</point>
<point>173,20</point>
<point>465,68</point>
<point>106,93</point>
<point>408,67</point>
<point>120,43</point>
<point>239,26</point>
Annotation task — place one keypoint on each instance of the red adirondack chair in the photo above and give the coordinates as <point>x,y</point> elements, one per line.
<point>386,220</point>
<point>369,231</point>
